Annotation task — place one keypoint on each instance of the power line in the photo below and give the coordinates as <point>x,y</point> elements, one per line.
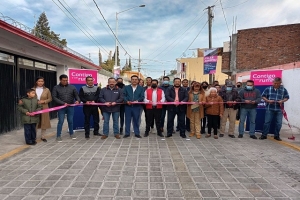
<point>225,17</point>
<point>111,30</point>
<point>178,38</point>
<point>194,39</point>
<point>75,23</point>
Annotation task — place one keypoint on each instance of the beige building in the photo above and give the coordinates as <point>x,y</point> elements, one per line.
<point>192,69</point>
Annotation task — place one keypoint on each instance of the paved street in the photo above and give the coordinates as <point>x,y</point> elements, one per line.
<point>151,168</point>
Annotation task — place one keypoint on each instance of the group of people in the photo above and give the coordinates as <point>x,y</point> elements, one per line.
<point>209,106</point>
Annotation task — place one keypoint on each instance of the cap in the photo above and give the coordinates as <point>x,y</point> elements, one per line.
<point>229,84</point>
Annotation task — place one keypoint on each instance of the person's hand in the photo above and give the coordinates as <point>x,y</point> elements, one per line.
<point>203,102</point>
<point>211,103</point>
<point>113,103</point>
<point>176,103</point>
<point>20,102</point>
<point>270,101</point>
<point>65,104</point>
<point>129,103</point>
<point>41,102</point>
<point>247,101</point>
<point>108,104</point>
<point>92,101</point>
<point>76,102</point>
<point>28,113</point>
<point>253,102</point>
<point>229,103</point>
<point>221,115</point>
<point>280,102</point>
<point>88,102</point>
<point>234,102</point>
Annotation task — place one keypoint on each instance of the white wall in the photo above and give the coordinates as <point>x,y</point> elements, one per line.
<point>292,107</point>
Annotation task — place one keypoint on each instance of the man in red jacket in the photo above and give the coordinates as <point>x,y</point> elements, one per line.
<point>154,95</point>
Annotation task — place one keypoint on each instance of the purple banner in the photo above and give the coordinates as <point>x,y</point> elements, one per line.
<point>210,60</point>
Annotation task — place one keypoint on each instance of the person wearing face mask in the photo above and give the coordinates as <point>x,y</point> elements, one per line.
<point>230,98</point>
<point>121,85</point>
<point>205,92</point>
<point>153,96</point>
<point>214,109</point>
<point>250,97</point>
<point>239,86</point>
<point>238,89</point>
<point>165,85</point>
<point>176,94</point>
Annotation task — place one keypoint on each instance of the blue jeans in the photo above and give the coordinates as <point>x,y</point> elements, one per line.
<point>251,113</point>
<point>115,117</point>
<point>268,120</point>
<point>132,112</point>
<point>61,118</point>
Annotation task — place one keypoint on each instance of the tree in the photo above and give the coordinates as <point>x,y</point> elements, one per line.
<point>118,59</point>
<point>173,72</point>
<point>108,65</point>
<point>129,65</point>
<point>42,30</point>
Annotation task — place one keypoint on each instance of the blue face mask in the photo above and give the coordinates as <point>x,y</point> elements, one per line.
<point>228,88</point>
<point>249,87</point>
<point>166,82</point>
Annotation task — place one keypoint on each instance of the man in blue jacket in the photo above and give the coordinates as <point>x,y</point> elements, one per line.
<point>176,94</point>
<point>111,96</point>
<point>132,94</point>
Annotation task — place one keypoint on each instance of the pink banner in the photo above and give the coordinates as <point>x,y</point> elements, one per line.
<point>77,76</point>
<point>265,77</point>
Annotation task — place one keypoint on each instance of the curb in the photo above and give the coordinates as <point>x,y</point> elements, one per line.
<point>287,144</point>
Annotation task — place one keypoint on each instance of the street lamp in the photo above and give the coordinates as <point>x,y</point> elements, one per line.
<point>116,34</point>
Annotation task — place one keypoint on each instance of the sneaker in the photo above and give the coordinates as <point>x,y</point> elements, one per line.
<point>240,136</point>
<point>253,137</point>
<point>126,136</point>
<point>221,135</point>
<point>138,136</point>
<point>160,135</point>
<point>58,139</point>
<point>232,136</point>
<point>44,140</point>
<point>263,137</point>
<point>73,137</point>
<point>104,137</point>
<point>277,138</point>
<point>117,136</point>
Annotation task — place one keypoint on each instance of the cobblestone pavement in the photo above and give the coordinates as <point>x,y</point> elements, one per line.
<point>152,168</point>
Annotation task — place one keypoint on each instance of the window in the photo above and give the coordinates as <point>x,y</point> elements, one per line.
<point>40,65</point>
<point>6,57</point>
<point>51,68</point>
<point>23,61</point>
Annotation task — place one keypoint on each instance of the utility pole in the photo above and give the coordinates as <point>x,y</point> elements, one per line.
<point>139,64</point>
<point>164,72</point>
<point>210,17</point>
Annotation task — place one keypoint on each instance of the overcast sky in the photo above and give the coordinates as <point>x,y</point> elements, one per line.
<point>163,29</point>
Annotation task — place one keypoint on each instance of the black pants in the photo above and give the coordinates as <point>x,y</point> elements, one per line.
<point>89,111</point>
<point>30,133</point>
<point>153,114</point>
<point>171,116</point>
<point>187,124</point>
<point>146,116</point>
<point>213,121</point>
<point>219,122</point>
<point>122,116</point>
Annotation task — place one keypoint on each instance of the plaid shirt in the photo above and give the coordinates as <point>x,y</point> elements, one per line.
<point>275,94</point>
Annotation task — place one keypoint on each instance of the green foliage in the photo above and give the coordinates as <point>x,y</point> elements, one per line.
<point>118,58</point>
<point>42,28</point>
<point>108,65</point>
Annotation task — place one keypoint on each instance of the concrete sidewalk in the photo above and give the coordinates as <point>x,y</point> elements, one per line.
<point>149,168</point>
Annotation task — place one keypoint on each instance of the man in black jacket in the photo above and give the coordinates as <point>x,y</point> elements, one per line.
<point>111,96</point>
<point>164,86</point>
<point>121,85</point>
<point>89,94</point>
<point>64,94</point>
<point>176,94</point>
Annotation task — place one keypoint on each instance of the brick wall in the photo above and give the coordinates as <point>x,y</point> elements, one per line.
<point>269,46</point>
<point>226,62</point>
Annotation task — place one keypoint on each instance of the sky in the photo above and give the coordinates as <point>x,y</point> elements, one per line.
<point>163,30</point>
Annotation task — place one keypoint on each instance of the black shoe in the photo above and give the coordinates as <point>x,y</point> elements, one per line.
<point>44,140</point>
<point>34,143</point>
<point>221,135</point>
<point>126,136</point>
<point>232,136</point>
<point>138,136</point>
<point>169,135</point>
<point>263,137</point>
<point>30,143</point>
<point>183,136</point>
<point>146,135</point>
<point>240,136</point>
<point>160,135</point>
<point>277,138</point>
<point>98,134</point>
<point>253,137</point>
<point>121,131</point>
<point>87,137</point>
